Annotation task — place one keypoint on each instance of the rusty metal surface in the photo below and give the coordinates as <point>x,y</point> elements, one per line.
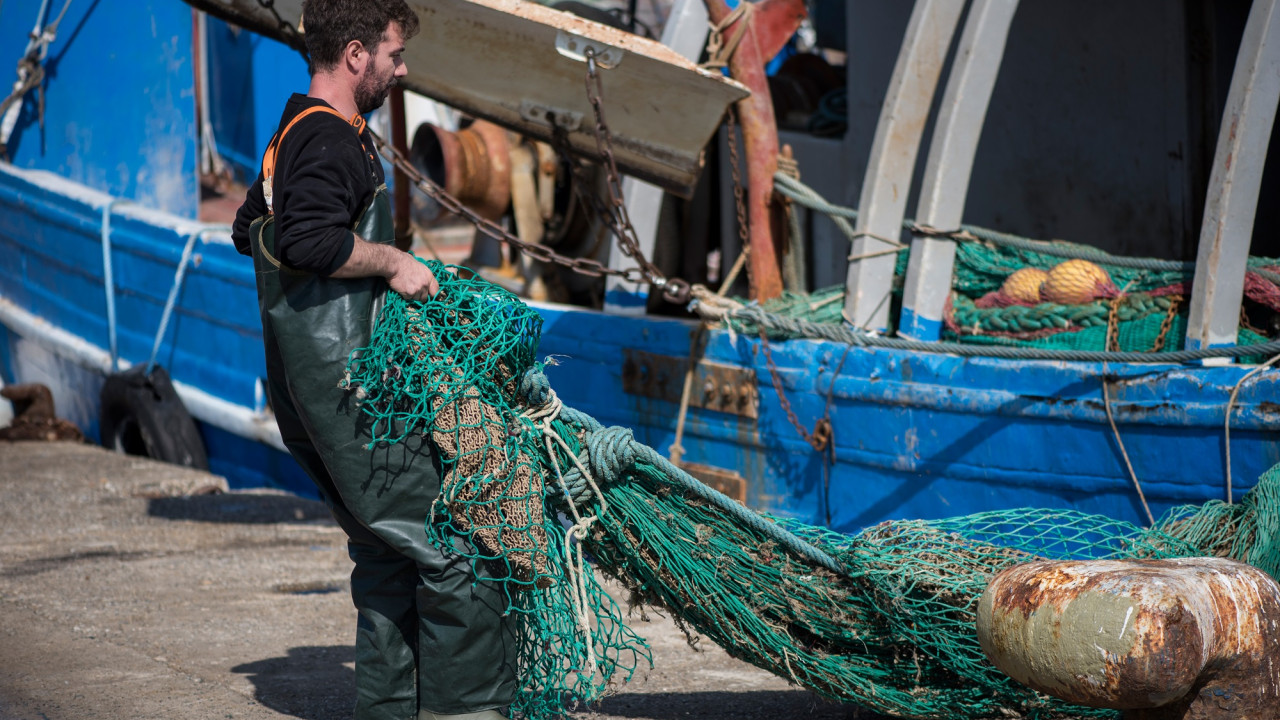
<point>770,24</point>
<point>474,164</point>
<point>1186,639</point>
<point>716,386</point>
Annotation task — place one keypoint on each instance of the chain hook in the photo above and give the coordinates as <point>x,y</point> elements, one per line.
<point>590,54</point>
<point>676,290</point>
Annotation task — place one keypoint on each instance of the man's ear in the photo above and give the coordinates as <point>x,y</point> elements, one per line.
<point>356,56</point>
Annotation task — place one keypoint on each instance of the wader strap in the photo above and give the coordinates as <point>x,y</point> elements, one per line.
<point>269,157</point>
<point>260,237</point>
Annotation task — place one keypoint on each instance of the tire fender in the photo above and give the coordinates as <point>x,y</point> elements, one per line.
<point>141,414</point>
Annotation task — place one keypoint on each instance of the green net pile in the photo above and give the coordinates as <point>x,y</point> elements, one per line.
<point>1152,316</point>
<point>546,496</point>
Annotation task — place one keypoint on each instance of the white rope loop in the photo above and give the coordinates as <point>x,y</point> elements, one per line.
<point>542,418</point>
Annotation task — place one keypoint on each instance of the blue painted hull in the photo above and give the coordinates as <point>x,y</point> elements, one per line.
<point>916,435</point>
<point>929,435</point>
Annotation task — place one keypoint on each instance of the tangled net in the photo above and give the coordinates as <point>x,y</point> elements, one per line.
<point>884,618</point>
<point>1150,317</point>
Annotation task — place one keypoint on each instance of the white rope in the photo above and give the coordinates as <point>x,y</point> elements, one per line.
<point>1115,431</point>
<point>1226,427</point>
<point>575,561</point>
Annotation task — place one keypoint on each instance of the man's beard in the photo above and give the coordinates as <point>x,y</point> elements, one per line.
<point>370,94</point>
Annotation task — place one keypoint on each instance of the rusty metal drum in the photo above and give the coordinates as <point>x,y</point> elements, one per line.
<point>1163,639</point>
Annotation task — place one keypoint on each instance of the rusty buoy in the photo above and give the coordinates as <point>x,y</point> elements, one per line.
<point>1187,639</point>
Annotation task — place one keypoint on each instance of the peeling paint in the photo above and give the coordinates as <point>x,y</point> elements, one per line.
<point>1196,638</point>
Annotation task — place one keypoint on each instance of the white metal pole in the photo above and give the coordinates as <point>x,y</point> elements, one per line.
<point>1234,183</point>
<point>893,158</point>
<point>950,164</point>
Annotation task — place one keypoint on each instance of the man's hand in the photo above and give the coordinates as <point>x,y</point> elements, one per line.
<point>413,280</point>
<point>403,272</point>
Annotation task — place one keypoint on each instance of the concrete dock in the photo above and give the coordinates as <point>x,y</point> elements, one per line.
<point>134,589</point>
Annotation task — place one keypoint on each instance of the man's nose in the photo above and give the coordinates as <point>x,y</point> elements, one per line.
<point>402,69</point>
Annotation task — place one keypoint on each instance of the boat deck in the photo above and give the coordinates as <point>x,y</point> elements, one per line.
<point>125,593</point>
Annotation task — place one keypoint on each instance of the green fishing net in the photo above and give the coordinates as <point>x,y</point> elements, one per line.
<point>547,497</point>
<point>1149,318</point>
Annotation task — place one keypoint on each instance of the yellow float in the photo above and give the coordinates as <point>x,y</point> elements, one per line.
<point>1075,282</point>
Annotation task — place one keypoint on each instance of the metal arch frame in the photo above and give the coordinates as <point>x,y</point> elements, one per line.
<point>1232,200</point>
<point>893,157</point>
<point>950,165</point>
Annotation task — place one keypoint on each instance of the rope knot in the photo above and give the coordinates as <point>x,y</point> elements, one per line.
<point>534,389</point>
<point>611,451</point>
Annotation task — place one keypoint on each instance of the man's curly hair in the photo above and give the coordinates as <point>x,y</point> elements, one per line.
<point>330,24</point>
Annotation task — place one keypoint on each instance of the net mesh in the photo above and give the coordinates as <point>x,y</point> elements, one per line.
<point>547,496</point>
<point>1151,316</point>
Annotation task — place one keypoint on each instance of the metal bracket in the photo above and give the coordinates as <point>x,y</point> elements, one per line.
<point>721,480</point>
<point>575,47</point>
<point>716,386</point>
<point>567,120</point>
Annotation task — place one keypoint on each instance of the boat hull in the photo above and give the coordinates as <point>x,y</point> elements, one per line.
<point>916,435</point>
<point>923,435</point>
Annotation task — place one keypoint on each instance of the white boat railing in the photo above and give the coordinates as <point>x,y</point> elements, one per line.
<point>950,164</point>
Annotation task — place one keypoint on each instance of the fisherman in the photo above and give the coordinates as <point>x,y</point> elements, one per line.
<point>430,642</point>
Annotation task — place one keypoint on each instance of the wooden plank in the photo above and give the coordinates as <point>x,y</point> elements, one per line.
<point>893,157</point>
<point>1235,181</point>
<point>950,163</point>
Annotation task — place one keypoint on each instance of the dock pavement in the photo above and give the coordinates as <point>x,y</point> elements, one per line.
<point>132,589</point>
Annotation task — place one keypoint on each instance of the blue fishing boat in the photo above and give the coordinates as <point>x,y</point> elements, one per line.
<point>908,401</point>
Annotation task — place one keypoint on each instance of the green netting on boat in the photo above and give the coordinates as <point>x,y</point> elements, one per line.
<point>981,267</point>
<point>1150,317</point>
<point>547,496</point>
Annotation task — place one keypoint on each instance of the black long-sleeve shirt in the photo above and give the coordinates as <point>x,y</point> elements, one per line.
<point>324,179</point>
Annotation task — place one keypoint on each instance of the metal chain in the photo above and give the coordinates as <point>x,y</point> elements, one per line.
<point>582,265</point>
<point>1247,324</point>
<point>616,216</point>
<point>1175,301</point>
<point>739,194</point>
<point>1113,325</point>
<point>821,434</point>
<point>293,37</point>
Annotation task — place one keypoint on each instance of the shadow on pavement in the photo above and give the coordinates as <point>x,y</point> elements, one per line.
<point>738,705</point>
<point>240,508</point>
<point>317,683</point>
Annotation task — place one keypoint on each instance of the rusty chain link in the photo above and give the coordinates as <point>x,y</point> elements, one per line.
<point>291,36</point>
<point>739,193</point>
<point>821,434</point>
<point>582,265</point>
<point>1167,323</point>
<point>619,221</point>
<point>615,213</point>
